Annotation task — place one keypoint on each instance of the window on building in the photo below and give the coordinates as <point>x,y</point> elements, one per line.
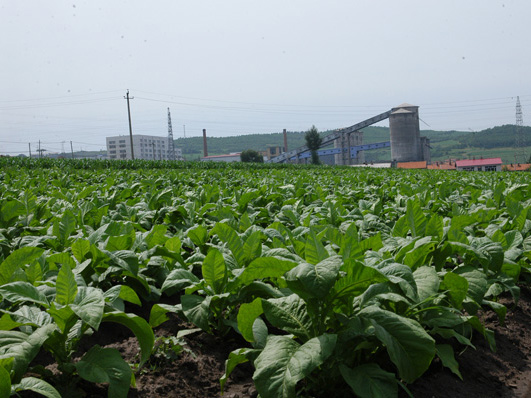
<point>490,168</point>
<point>113,151</point>
<point>112,146</point>
<point>112,142</point>
<point>468,168</point>
<point>122,141</point>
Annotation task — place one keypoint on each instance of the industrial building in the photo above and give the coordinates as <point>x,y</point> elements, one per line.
<point>405,141</point>
<point>144,147</point>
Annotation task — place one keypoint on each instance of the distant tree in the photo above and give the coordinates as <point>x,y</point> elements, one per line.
<point>313,142</point>
<point>251,156</point>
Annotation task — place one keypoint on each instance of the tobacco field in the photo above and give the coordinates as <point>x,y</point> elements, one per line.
<point>330,281</point>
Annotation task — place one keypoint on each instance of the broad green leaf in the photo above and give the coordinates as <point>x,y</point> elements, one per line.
<point>283,363</point>
<point>88,305</point>
<point>427,282</point>
<point>23,348</point>
<point>446,353</point>
<point>235,358</point>
<point>247,314</point>
<point>120,242</point>
<point>198,235</point>
<point>37,385</point>
<point>252,248</point>
<point>7,323</point>
<point>173,244</point>
<point>309,280</point>
<point>139,327</point>
<point>64,227</point>
<point>214,270</point>
<point>434,227</point>
<point>289,314</point>
<point>158,312</point>
<point>105,365</point>
<point>477,283</point>
<point>401,227</point>
<point>314,251</point>
<point>65,286</point>
<point>177,280</point>
<point>16,260</point>
<point>122,292</point>
<point>5,383</point>
<point>370,381</point>
<point>196,309</point>
<point>265,267</point>
<point>157,236</point>
<point>357,279</point>
<point>416,219</point>
<point>457,287</point>
<point>229,236</point>
<point>10,210</point>
<point>17,292</point>
<point>409,347</point>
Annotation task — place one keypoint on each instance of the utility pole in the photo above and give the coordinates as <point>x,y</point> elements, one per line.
<point>29,146</point>
<point>184,130</point>
<point>72,149</point>
<point>130,128</point>
<point>153,146</point>
<point>39,150</point>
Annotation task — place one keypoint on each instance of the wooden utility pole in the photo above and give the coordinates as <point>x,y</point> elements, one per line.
<point>72,149</point>
<point>29,146</point>
<point>130,128</point>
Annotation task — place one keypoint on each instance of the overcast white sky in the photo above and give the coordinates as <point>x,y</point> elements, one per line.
<point>243,66</point>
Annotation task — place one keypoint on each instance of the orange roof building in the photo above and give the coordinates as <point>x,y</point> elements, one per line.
<point>411,165</point>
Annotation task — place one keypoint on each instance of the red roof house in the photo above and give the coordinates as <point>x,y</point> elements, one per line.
<point>489,164</point>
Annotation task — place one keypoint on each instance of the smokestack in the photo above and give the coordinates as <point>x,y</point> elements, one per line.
<point>285,141</point>
<point>205,150</point>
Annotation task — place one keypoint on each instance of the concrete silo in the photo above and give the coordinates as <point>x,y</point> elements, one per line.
<point>405,134</point>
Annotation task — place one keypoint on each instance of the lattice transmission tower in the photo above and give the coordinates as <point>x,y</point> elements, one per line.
<point>520,144</point>
<point>171,146</point>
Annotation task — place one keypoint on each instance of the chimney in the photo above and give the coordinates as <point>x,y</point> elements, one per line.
<point>285,141</point>
<point>205,150</point>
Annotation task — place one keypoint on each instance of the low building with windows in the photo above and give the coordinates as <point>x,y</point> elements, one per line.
<point>144,147</point>
<point>489,164</point>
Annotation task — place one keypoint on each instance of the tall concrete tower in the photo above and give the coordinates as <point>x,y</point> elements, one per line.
<point>405,134</point>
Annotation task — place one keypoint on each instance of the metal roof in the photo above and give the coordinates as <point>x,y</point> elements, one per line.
<point>401,110</point>
<point>405,105</point>
<point>478,162</point>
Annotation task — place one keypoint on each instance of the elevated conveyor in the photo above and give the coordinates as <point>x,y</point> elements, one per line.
<point>327,140</point>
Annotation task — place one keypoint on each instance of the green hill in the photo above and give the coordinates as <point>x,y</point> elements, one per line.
<point>493,142</point>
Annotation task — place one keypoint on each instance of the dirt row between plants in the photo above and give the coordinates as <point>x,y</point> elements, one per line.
<point>195,371</point>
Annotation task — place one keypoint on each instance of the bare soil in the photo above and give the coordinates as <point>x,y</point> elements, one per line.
<point>195,372</point>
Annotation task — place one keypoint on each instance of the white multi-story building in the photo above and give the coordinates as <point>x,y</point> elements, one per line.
<point>144,147</point>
